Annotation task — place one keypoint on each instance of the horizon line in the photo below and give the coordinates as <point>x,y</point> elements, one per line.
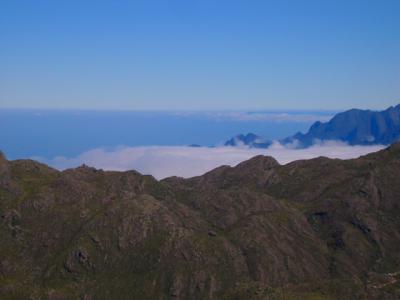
<point>170,110</point>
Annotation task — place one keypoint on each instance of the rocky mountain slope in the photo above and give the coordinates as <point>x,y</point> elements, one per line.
<point>315,229</point>
<point>355,127</point>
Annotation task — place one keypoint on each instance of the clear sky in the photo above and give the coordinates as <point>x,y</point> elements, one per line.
<point>199,54</point>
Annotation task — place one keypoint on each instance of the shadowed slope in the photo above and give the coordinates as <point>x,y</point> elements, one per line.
<point>321,228</point>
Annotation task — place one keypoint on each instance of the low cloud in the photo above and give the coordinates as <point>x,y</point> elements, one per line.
<point>279,117</point>
<point>184,161</point>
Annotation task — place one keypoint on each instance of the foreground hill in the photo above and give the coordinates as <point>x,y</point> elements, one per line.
<point>354,127</point>
<point>315,229</point>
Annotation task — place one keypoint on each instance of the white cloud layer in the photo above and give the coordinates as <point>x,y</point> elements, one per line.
<point>278,117</point>
<point>165,161</point>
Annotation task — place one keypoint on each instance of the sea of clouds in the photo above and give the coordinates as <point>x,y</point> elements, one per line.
<point>184,161</point>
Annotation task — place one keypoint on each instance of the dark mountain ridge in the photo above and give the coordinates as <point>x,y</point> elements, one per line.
<point>311,229</point>
<point>354,127</point>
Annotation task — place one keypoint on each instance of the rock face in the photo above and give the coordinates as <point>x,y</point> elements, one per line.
<point>316,229</point>
<point>355,127</point>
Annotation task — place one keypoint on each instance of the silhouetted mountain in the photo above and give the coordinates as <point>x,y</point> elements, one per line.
<point>311,229</point>
<point>250,140</point>
<point>355,127</point>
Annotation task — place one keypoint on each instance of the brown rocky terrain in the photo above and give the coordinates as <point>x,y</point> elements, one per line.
<point>313,229</point>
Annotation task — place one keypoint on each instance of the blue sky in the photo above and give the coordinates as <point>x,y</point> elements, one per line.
<point>199,54</point>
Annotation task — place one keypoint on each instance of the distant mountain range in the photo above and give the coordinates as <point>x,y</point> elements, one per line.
<point>355,127</point>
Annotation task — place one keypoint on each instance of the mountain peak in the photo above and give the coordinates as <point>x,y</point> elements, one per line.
<point>2,157</point>
<point>355,127</point>
<point>250,140</point>
<point>259,162</point>
<point>260,219</point>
